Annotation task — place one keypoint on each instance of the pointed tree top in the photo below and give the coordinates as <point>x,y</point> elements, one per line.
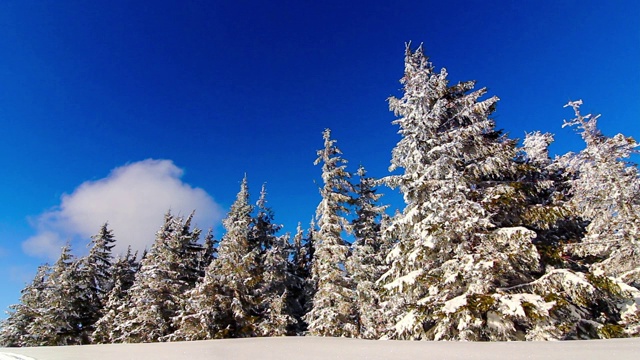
<point>262,201</point>
<point>362,172</point>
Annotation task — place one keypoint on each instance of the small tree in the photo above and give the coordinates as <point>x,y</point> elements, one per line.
<point>277,317</point>
<point>208,253</point>
<point>302,287</point>
<point>165,275</point>
<point>367,262</point>
<point>59,322</point>
<point>15,330</point>
<point>123,273</point>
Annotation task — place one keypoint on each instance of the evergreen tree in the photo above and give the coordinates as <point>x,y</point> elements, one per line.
<point>277,313</point>
<point>97,265</point>
<point>223,304</point>
<point>277,319</point>
<point>94,281</point>
<point>333,312</point>
<point>606,193</point>
<point>263,228</point>
<point>209,251</point>
<point>296,287</point>
<point>166,273</point>
<point>302,287</point>
<point>15,330</point>
<point>465,266</point>
<point>123,273</point>
<point>367,262</point>
<point>60,321</point>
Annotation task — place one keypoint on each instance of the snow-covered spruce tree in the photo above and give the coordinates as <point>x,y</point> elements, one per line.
<point>300,295</point>
<point>605,192</point>
<point>304,286</point>
<point>305,270</point>
<point>463,267</point>
<point>333,312</point>
<point>59,321</point>
<point>208,253</point>
<point>276,315</point>
<point>223,304</point>
<point>14,331</point>
<point>94,280</point>
<point>166,273</point>
<point>123,272</point>
<point>367,262</point>
<point>448,145</point>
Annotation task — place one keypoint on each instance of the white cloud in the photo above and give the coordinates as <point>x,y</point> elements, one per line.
<point>44,244</point>
<point>132,199</point>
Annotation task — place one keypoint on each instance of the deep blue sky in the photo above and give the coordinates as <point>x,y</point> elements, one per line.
<point>248,86</point>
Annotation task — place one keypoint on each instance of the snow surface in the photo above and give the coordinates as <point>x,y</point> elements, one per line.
<point>316,348</point>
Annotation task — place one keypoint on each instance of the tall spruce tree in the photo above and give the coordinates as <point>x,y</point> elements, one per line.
<point>223,304</point>
<point>333,312</point>
<point>464,267</point>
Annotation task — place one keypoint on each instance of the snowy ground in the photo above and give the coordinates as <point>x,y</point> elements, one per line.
<point>313,348</point>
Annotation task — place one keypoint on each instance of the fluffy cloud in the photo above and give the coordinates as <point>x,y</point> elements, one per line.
<point>132,199</point>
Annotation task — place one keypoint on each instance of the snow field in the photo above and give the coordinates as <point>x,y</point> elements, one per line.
<point>317,348</point>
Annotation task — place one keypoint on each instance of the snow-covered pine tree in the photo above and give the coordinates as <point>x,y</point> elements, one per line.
<point>333,312</point>
<point>166,274</point>
<point>59,321</point>
<point>367,262</point>
<point>448,144</point>
<point>263,228</point>
<point>305,270</point>
<point>300,271</point>
<point>14,331</point>
<point>208,253</point>
<point>605,191</point>
<point>304,286</point>
<point>277,314</point>
<point>123,272</point>
<point>276,318</point>
<point>94,281</point>
<point>223,304</point>
<point>97,265</point>
<point>464,267</point>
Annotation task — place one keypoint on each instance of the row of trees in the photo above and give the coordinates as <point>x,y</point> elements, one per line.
<point>253,282</point>
<point>496,242</point>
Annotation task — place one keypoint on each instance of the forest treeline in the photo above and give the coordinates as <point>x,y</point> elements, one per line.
<point>497,241</point>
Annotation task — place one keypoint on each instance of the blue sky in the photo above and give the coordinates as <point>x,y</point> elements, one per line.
<point>115,111</point>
